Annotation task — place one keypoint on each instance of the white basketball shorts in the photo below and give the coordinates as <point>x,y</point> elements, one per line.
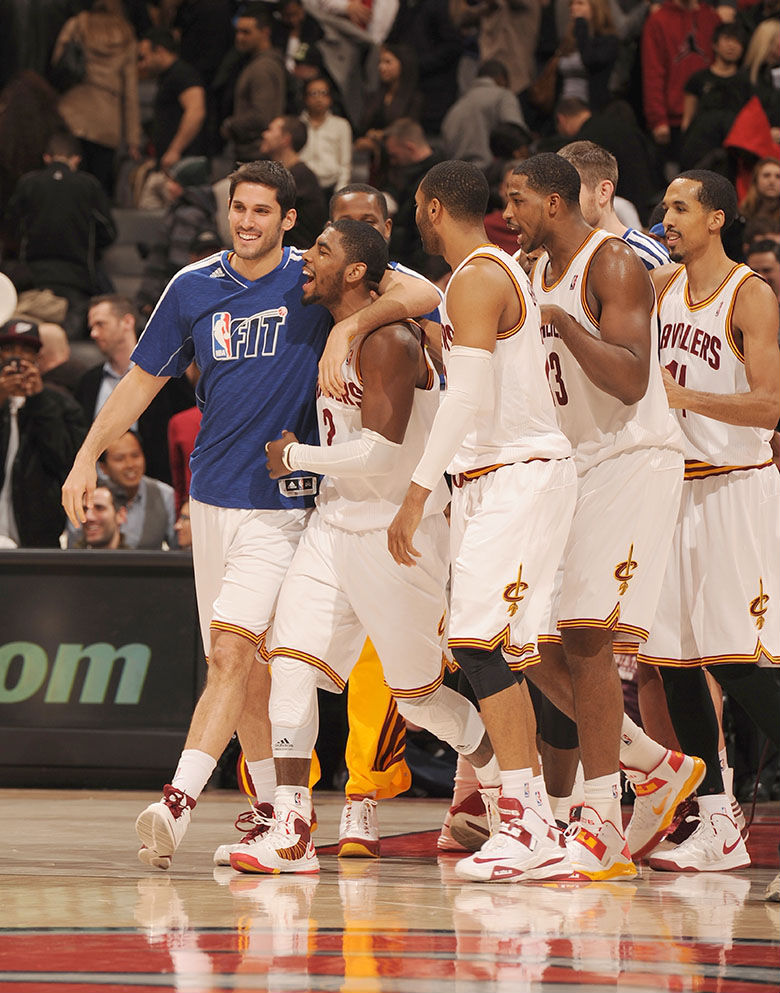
<point>721,594</point>
<point>343,586</point>
<point>508,532</point>
<point>240,558</point>
<point>611,572</point>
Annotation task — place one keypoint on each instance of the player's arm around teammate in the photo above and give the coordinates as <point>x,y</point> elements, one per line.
<point>621,297</point>
<point>400,296</point>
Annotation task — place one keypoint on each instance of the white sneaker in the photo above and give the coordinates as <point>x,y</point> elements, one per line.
<point>359,829</point>
<point>252,823</point>
<point>772,893</point>
<point>287,847</point>
<point>715,846</point>
<point>656,797</point>
<point>597,848</point>
<point>161,827</point>
<point>526,847</point>
<point>469,824</point>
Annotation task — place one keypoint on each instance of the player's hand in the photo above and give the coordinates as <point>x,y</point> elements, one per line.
<point>674,392</point>
<point>550,313</point>
<point>78,490</point>
<point>404,524</point>
<point>273,449</point>
<point>330,380</point>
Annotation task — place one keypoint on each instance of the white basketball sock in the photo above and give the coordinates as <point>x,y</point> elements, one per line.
<point>193,772</point>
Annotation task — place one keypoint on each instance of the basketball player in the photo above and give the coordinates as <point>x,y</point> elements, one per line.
<point>598,171</point>
<point>514,493</point>
<point>342,584</point>
<point>238,315</point>
<point>598,330</point>
<point>720,604</point>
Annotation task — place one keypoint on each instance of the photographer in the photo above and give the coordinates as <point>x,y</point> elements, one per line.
<point>40,432</point>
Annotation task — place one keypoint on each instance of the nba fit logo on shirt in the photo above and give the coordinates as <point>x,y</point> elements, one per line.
<point>246,337</point>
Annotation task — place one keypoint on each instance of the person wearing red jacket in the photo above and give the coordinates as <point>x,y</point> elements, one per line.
<point>676,42</point>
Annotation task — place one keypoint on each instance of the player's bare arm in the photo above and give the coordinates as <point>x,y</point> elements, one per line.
<point>129,400</point>
<point>620,296</point>
<point>481,303</point>
<point>400,296</point>
<point>755,325</point>
<point>391,366</point>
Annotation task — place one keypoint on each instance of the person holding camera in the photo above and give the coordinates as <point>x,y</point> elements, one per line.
<point>40,432</point>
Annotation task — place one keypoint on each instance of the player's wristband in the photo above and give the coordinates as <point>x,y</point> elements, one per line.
<point>468,376</point>
<point>285,456</point>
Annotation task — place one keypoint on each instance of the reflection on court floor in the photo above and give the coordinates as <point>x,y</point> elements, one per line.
<point>78,913</point>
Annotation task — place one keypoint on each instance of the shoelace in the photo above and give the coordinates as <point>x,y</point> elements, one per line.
<point>360,819</point>
<point>490,800</point>
<point>252,823</point>
<point>176,800</point>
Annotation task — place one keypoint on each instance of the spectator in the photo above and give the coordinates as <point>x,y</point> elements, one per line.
<point>192,208</point>
<point>103,110</point>
<point>28,118</point>
<point>177,128</point>
<point>763,197</point>
<point>410,156</point>
<point>351,31</point>
<point>713,97</point>
<point>182,433</point>
<point>205,31</point>
<point>762,64</point>
<point>588,53</point>
<point>397,95</point>
<point>261,88</point>
<point>498,231</point>
<point>676,41</point>
<point>104,520</point>
<point>508,31</point>
<point>328,148</point>
<point>617,131</point>
<point>763,257</point>
<point>183,527</point>
<point>40,432</point>
<point>281,142</point>
<point>150,512</point>
<point>112,324</point>
<point>427,26</point>
<point>296,34</point>
<point>57,370</point>
<point>468,123</point>
<point>204,244</point>
<point>758,229</point>
<point>64,221</point>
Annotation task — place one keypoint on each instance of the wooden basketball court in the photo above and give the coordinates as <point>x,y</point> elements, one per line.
<point>78,913</point>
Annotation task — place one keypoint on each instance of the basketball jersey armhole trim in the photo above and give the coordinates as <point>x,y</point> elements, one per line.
<point>584,283</point>
<point>740,354</point>
<point>675,275</point>
<point>501,335</point>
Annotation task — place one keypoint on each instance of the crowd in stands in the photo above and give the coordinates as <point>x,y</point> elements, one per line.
<point>166,96</point>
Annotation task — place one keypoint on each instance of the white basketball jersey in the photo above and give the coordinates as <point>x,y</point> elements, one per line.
<point>597,424</point>
<point>368,502</point>
<point>699,349</point>
<point>516,421</point>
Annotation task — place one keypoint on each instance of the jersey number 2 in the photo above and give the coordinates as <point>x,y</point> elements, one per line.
<point>328,418</point>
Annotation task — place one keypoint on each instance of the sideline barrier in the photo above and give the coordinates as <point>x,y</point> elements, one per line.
<point>100,666</point>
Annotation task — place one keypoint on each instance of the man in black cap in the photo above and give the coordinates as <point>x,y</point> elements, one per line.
<point>40,432</point>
